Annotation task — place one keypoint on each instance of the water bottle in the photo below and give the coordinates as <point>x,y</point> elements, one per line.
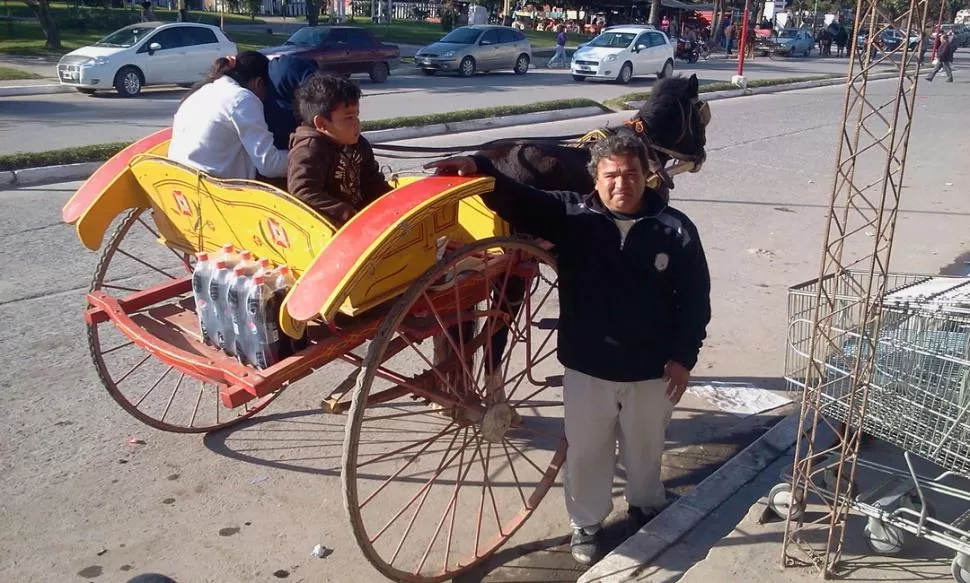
<point>246,261</point>
<point>229,255</point>
<point>236,292</point>
<point>262,324</point>
<point>218,288</point>
<point>265,269</point>
<point>205,308</point>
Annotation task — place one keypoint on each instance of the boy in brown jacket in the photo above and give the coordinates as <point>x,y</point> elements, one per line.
<point>331,167</point>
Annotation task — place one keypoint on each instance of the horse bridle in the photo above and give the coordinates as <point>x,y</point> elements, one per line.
<point>697,107</point>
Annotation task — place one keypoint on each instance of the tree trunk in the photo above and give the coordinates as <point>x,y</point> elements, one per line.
<point>312,13</point>
<point>41,9</point>
<point>654,12</point>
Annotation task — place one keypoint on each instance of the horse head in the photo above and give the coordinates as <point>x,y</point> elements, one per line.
<point>673,124</point>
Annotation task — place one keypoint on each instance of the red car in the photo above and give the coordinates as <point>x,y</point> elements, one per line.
<point>341,49</point>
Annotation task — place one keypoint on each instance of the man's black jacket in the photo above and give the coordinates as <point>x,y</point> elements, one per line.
<point>628,307</point>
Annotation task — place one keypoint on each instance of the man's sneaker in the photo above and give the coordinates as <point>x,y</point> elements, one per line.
<point>584,545</point>
<point>640,516</point>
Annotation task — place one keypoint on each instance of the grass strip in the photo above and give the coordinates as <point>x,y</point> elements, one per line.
<point>619,103</point>
<point>10,74</point>
<point>96,152</point>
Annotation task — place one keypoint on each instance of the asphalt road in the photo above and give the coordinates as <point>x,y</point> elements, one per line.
<point>38,122</point>
<point>81,500</point>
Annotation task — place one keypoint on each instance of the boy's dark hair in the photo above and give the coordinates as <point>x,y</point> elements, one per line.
<point>321,94</point>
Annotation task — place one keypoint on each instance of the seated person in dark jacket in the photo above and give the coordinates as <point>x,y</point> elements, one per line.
<point>331,166</point>
<point>286,74</point>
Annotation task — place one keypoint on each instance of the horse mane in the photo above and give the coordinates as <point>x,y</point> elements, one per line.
<point>665,98</point>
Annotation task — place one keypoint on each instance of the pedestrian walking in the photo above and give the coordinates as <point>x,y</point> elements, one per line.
<point>944,58</point>
<point>560,54</point>
<point>634,292</point>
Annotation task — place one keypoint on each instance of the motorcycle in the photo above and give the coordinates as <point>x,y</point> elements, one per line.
<point>690,51</point>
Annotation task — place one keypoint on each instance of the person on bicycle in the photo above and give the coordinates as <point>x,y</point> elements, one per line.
<point>331,167</point>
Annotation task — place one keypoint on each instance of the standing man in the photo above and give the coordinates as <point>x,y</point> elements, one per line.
<point>634,294</point>
<point>944,58</point>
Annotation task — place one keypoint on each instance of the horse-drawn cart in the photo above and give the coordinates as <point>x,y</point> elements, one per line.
<point>453,431</point>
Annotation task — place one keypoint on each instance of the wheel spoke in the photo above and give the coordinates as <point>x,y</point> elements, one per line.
<point>146,264</point>
<point>172,398</point>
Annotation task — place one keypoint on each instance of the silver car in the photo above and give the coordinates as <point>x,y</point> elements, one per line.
<point>481,47</point>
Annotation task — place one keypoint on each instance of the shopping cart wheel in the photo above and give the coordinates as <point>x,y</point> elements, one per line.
<point>782,501</point>
<point>884,539</point>
<point>960,568</point>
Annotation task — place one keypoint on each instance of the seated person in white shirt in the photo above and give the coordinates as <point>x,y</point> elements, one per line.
<point>220,127</point>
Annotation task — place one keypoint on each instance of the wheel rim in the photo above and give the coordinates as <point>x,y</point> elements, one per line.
<point>381,72</point>
<point>625,73</point>
<point>668,69</point>
<point>131,82</point>
<point>153,392</point>
<point>467,67</point>
<point>462,467</point>
<point>522,65</point>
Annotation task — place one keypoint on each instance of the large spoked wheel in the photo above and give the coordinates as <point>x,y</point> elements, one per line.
<point>437,481</point>
<point>153,392</point>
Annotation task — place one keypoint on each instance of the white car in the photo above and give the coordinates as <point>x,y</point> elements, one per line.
<point>621,53</point>
<point>147,53</point>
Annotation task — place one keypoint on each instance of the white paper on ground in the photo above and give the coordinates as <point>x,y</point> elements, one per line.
<point>738,399</point>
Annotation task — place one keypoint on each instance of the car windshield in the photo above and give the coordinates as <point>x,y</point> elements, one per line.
<point>308,37</point>
<point>612,40</point>
<point>788,34</point>
<point>462,36</point>
<point>126,37</point>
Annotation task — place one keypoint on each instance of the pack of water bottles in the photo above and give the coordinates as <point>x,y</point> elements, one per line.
<point>238,302</point>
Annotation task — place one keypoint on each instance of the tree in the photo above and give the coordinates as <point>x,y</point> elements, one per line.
<point>654,12</point>
<point>41,9</point>
<point>312,12</point>
<point>253,6</point>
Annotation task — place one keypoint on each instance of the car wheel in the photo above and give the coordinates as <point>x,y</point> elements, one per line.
<point>429,72</point>
<point>626,74</point>
<point>668,70</point>
<point>128,82</point>
<point>467,67</point>
<point>807,52</point>
<point>379,72</point>
<point>84,91</point>
<point>521,65</point>
<point>579,78</point>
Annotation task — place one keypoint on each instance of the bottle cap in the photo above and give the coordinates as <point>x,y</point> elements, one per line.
<point>258,279</point>
<point>264,262</point>
<point>221,264</point>
<point>284,269</point>
<point>246,255</point>
<point>202,256</point>
<point>227,247</point>
<point>239,269</point>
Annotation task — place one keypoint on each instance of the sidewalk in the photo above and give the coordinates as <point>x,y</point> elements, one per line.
<point>752,552</point>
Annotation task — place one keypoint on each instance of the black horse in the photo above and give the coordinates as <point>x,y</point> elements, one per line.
<point>672,124</point>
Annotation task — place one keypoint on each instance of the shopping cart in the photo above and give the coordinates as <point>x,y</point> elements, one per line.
<point>918,400</point>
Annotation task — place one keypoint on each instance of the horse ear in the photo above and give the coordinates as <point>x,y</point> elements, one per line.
<point>692,85</point>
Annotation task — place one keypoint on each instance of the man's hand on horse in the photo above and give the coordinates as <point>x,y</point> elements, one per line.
<point>460,165</point>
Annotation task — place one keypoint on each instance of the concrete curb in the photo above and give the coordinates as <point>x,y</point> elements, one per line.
<point>48,174</point>
<point>17,90</point>
<point>732,93</point>
<point>408,133</point>
<point>624,563</point>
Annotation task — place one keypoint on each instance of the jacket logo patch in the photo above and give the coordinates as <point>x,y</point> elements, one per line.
<point>661,261</point>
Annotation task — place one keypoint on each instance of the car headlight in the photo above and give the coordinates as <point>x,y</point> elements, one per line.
<point>448,54</point>
<point>95,62</point>
<point>609,58</point>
